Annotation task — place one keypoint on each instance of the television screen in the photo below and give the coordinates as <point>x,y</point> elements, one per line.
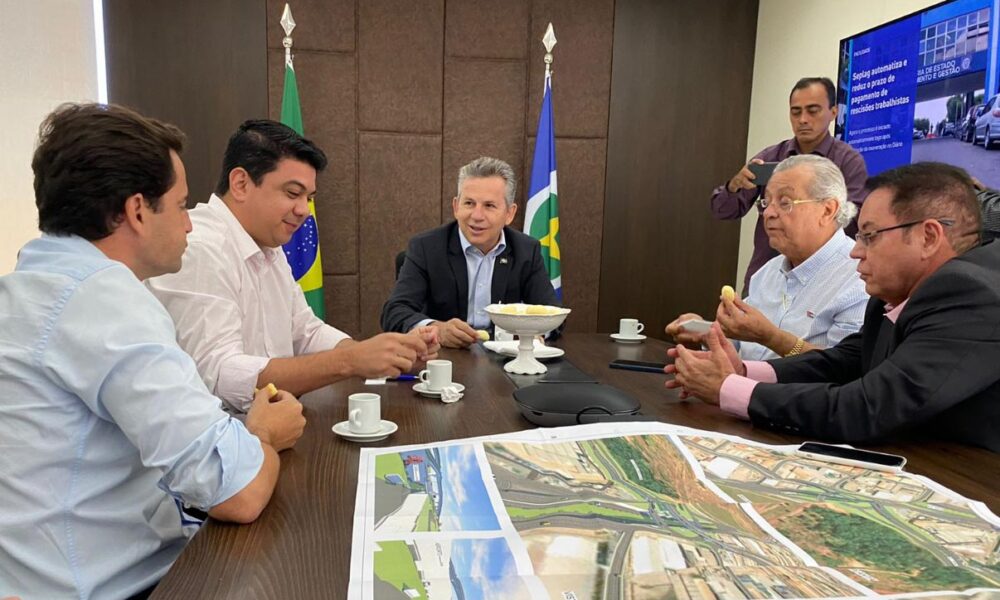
<point>924,87</point>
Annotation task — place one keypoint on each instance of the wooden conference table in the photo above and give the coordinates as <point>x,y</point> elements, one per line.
<point>300,547</point>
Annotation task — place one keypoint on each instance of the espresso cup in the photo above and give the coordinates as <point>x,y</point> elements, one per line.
<point>364,413</point>
<point>436,375</point>
<point>502,335</point>
<point>630,328</point>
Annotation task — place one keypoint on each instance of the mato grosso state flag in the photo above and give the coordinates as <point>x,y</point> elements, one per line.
<point>541,216</point>
<point>302,250</point>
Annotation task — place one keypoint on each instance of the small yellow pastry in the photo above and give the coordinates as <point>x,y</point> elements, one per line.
<point>483,335</point>
<point>271,390</point>
<point>537,309</point>
<point>728,293</point>
<point>509,309</point>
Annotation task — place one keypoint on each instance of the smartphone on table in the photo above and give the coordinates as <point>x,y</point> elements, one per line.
<point>852,457</point>
<point>638,365</point>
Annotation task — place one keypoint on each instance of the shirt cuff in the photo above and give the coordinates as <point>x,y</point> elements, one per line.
<point>423,323</point>
<point>734,395</point>
<point>237,379</point>
<point>760,371</point>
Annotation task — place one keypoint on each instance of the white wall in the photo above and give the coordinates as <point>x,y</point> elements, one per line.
<point>800,38</point>
<point>48,57</point>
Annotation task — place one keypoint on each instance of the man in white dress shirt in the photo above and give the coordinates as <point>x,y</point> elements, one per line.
<point>236,307</point>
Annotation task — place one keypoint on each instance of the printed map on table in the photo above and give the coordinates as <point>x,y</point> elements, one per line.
<point>650,511</point>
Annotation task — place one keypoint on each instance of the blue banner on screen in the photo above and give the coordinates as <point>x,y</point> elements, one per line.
<point>924,87</point>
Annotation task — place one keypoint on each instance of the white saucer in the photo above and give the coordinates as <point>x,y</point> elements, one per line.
<point>627,340</point>
<point>343,429</point>
<point>509,348</point>
<point>421,388</point>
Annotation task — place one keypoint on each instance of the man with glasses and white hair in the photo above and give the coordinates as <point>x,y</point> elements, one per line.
<point>809,296</point>
<point>453,272</point>
<point>925,361</point>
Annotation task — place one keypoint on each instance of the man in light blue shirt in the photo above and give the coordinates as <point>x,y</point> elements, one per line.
<point>479,267</point>
<point>107,431</point>
<point>810,295</point>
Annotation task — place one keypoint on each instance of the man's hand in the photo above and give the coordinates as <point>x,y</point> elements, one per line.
<point>700,373</point>
<point>277,420</point>
<point>744,180</point>
<point>386,355</point>
<point>455,333</point>
<point>681,335</point>
<point>741,321</point>
<point>429,335</point>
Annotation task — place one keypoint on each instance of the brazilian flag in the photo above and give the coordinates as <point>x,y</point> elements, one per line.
<point>303,249</point>
<point>541,216</point>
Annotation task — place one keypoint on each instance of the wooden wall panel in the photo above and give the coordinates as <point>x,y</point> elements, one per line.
<point>400,188</point>
<point>327,84</point>
<point>484,116</point>
<point>679,114</point>
<point>581,75</point>
<point>323,25</point>
<point>199,65</point>
<point>400,53</point>
<point>487,28</point>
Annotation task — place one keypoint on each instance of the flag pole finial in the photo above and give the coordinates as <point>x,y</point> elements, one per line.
<point>288,24</point>
<point>549,41</point>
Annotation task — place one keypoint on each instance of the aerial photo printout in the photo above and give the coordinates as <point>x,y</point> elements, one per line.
<point>642,511</point>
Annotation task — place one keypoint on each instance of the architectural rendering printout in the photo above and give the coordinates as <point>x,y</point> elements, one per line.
<point>643,511</point>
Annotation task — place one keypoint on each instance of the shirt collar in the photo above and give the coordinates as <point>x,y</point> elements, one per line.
<point>466,244</point>
<point>822,150</point>
<point>892,312</point>
<point>245,245</point>
<point>808,268</point>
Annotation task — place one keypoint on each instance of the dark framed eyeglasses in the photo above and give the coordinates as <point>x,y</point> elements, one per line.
<point>867,237</point>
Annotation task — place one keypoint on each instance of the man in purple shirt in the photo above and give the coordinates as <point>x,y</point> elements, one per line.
<point>925,360</point>
<point>811,109</point>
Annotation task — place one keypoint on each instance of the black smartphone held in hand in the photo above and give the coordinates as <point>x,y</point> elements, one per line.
<point>852,457</point>
<point>638,365</point>
<point>762,171</point>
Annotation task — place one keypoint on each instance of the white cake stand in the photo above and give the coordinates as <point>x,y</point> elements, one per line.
<point>526,327</point>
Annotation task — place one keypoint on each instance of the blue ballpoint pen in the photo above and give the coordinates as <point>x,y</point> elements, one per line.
<point>404,377</point>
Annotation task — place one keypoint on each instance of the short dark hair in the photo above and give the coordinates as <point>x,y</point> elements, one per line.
<point>831,90</point>
<point>90,158</point>
<point>933,190</point>
<point>259,145</point>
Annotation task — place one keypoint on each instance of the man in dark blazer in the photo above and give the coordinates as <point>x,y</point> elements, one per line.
<point>927,360</point>
<point>451,273</point>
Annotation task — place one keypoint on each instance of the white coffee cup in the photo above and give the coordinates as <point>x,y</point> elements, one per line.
<point>436,375</point>
<point>630,328</point>
<point>364,413</point>
<point>502,335</point>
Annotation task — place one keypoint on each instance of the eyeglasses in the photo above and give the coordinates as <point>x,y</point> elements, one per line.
<point>867,237</point>
<point>785,204</point>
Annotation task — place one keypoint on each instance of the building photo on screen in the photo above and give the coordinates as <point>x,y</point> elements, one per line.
<point>925,88</point>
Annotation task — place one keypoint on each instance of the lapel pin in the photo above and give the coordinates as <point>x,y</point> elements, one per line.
<point>503,261</point>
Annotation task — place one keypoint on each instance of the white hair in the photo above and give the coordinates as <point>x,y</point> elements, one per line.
<point>827,182</point>
<point>485,166</point>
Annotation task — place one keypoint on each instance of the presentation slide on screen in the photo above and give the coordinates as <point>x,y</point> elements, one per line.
<point>924,88</point>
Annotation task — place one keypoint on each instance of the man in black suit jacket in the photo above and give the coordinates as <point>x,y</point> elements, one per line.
<point>927,360</point>
<point>504,265</point>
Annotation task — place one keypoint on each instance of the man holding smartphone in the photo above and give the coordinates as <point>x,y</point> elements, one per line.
<point>925,361</point>
<point>811,109</point>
